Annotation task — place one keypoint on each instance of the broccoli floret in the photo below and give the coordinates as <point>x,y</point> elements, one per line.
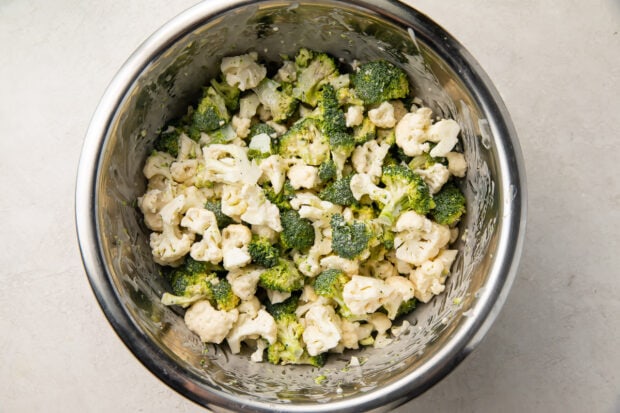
<point>303,57</point>
<point>262,252</point>
<point>190,282</point>
<point>228,92</point>
<point>223,295</point>
<point>259,128</point>
<point>449,205</point>
<point>365,132</point>
<point>347,96</point>
<point>378,81</point>
<point>406,307</point>
<point>332,117</point>
<point>168,141</point>
<point>408,191</point>
<point>339,192</point>
<point>327,170</point>
<point>283,277</point>
<point>283,198</point>
<point>363,213</point>
<point>216,207</point>
<point>349,240</point>
<point>211,113</point>
<point>310,73</point>
<point>280,104</point>
<point>283,309</point>
<point>333,125</point>
<point>304,140</point>
<point>289,346</point>
<point>330,283</point>
<point>297,232</point>
<point>425,161</point>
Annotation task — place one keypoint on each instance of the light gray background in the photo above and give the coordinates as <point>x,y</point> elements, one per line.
<point>555,346</point>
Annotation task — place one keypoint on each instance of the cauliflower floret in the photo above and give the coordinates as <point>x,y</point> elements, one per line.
<point>349,267</point>
<point>428,280</point>
<point>322,331</point>
<point>158,163</point>
<point>276,297</point>
<point>379,269</point>
<point>354,116</point>
<point>150,204</point>
<point>457,164</point>
<point>381,324</point>
<point>314,208</point>
<point>303,176</point>
<point>418,239</point>
<point>182,171</point>
<point>353,332</point>
<point>383,115</point>
<point>248,105</point>
<point>259,210</point>
<point>235,240</point>
<point>243,281</point>
<point>274,169</point>
<point>445,133</point>
<point>364,295</point>
<point>228,164</point>
<point>411,132</point>
<point>435,176</point>
<point>264,231</point>
<point>368,159</point>
<point>362,184</point>
<point>261,346</point>
<point>287,72</point>
<point>243,71</point>
<point>247,327</point>
<point>201,221</point>
<point>402,290</point>
<point>171,244</point>
<point>233,203</point>
<point>241,126</point>
<point>211,325</point>
<point>309,265</point>
<point>250,307</point>
<point>188,148</point>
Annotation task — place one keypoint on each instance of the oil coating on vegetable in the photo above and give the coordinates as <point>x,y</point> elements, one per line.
<point>300,212</point>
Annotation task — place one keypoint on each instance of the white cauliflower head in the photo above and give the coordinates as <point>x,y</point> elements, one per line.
<point>243,71</point>
<point>418,239</point>
<point>151,203</point>
<point>235,240</point>
<point>247,327</point>
<point>248,105</point>
<point>243,281</point>
<point>228,164</point>
<point>158,163</point>
<point>411,131</point>
<point>435,176</point>
<point>201,221</point>
<point>259,210</point>
<point>364,184</point>
<point>314,208</point>
<point>402,290</point>
<point>185,170</point>
<point>364,295</point>
<point>171,244</point>
<point>274,170</point>
<point>303,176</point>
<point>445,133</point>
<point>457,164</point>
<point>354,115</point>
<point>368,159</point>
<point>322,329</point>
<point>211,325</point>
<point>233,203</point>
<point>429,278</point>
<point>383,115</point>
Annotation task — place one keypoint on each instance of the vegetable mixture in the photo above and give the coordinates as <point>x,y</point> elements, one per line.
<point>301,212</point>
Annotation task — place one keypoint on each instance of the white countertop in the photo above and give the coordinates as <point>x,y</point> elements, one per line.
<point>556,344</point>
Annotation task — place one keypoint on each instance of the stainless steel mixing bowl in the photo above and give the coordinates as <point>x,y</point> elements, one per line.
<point>157,84</point>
